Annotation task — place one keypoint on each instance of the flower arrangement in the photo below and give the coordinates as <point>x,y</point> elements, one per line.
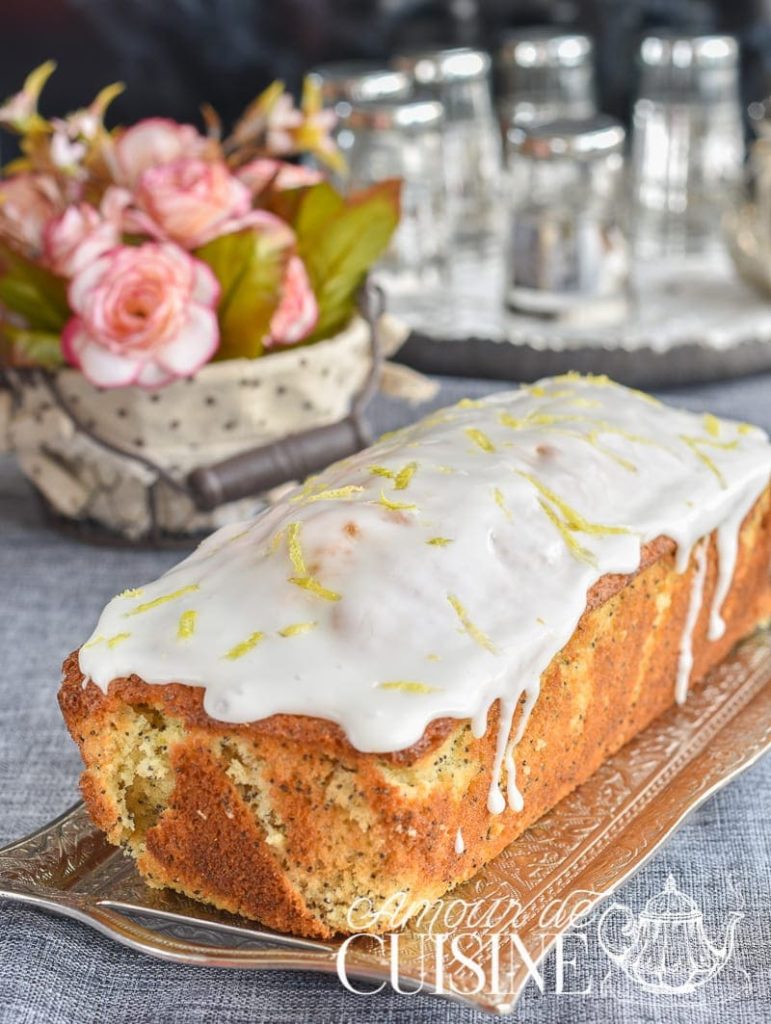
<point>138,255</point>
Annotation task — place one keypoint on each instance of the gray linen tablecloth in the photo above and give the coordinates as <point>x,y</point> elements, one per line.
<point>53,970</point>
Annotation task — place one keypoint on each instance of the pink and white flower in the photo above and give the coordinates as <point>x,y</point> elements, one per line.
<point>66,152</point>
<point>77,238</point>
<point>282,120</point>
<point>27,203</point>
<point>257,174</point>
<point>190,201</point>
<point>298,311</point>
<point>143,315</point>
<point>155,141</point>
<point>20,111</point>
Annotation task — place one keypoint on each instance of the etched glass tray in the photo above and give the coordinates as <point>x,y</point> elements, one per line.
<point>575,855</point>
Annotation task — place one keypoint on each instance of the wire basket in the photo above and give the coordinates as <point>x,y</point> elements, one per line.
<point>129,466</point>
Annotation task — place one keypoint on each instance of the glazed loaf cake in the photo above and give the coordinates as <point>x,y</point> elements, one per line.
<point>379,683</point>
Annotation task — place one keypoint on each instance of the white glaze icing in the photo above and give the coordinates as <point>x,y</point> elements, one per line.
<point>460,845</point>
<point>440,570</point>
<point>685,661</point>
<point>727,550</point>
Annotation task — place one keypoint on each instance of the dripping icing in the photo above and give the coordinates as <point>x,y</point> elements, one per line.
<point>727,551</point>
<point>495,800</point>
<point>685,659</point>
<point>392,583</point>
<point>460,845</point>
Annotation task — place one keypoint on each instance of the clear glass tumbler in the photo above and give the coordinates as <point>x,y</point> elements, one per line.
<point>404,140</point>
<point>567,255</point>
<point>545,74</point>
<point>687,143</point>
<point>460,80</point>
<point>359,81</point>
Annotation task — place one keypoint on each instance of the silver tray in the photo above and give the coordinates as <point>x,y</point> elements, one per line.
<point>691,321</point>
<point>581,851</point>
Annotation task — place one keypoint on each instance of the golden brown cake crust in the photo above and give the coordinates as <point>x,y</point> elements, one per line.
<point>284,821</point>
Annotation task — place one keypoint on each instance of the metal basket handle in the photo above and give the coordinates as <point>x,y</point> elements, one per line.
<point>292,458</point>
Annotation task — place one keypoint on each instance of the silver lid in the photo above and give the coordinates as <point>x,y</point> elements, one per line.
<point>543,46</point>
<point>416,116</point>
<point>669,50</point>
<point>579,138</point>
<point>359,81</point>
<point>432,67</point>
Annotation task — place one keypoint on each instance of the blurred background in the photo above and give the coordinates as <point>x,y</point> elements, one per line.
<point>582,185</point>
<point>175,54</point>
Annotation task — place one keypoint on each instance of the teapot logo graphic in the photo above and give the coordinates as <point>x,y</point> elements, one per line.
<point>665,949</point>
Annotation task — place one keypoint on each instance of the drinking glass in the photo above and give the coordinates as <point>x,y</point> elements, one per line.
<point>359,81</point>
<point>545,73</point>
<point>567,253</point>
<point>687,143</point>
<point>404,140</point>
<point>460,80</point>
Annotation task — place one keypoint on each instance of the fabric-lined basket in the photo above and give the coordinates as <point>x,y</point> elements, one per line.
<point>120,461</point>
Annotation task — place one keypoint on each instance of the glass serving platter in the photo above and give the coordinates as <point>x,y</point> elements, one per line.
<point>572,859</point>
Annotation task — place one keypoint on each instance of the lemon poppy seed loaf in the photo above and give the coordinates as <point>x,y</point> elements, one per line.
<point>378,684</point>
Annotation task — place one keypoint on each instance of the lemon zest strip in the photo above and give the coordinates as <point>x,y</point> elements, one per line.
<point>473,631</point>
<point>480,439</point>
<point>335,493</point>
<point>500,501</point>
<point>187,623</point>
<point>576,550</point>
<point>403,477</point>
<point>158,601</point>
<point>245,646</point>
<point>307,489</point>
<point>695,443</point>
<point>296,628</point>
<point>711,424</point>
<point>295,549</point>
<point>507,420</point>
<point>408,686</point>
<point>395,505</point>
<point>313,586</point>
<point>573,520</point>
<point>117,639</point>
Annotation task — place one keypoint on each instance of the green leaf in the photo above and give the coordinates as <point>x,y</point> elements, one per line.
<point>340,240</point>
<point>34,293</point>
<point>39,347</point>
<point>320,204</point>
<point>286,202</point>
<point>249,266</point>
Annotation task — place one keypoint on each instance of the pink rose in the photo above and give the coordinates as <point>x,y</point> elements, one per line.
<point>143,315</point>
<point>27,203</point>
<point>298,312</point>
<point>77,238</point>
<point>190,201</point>
<point>257,174</point>
<point>155,141</point>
